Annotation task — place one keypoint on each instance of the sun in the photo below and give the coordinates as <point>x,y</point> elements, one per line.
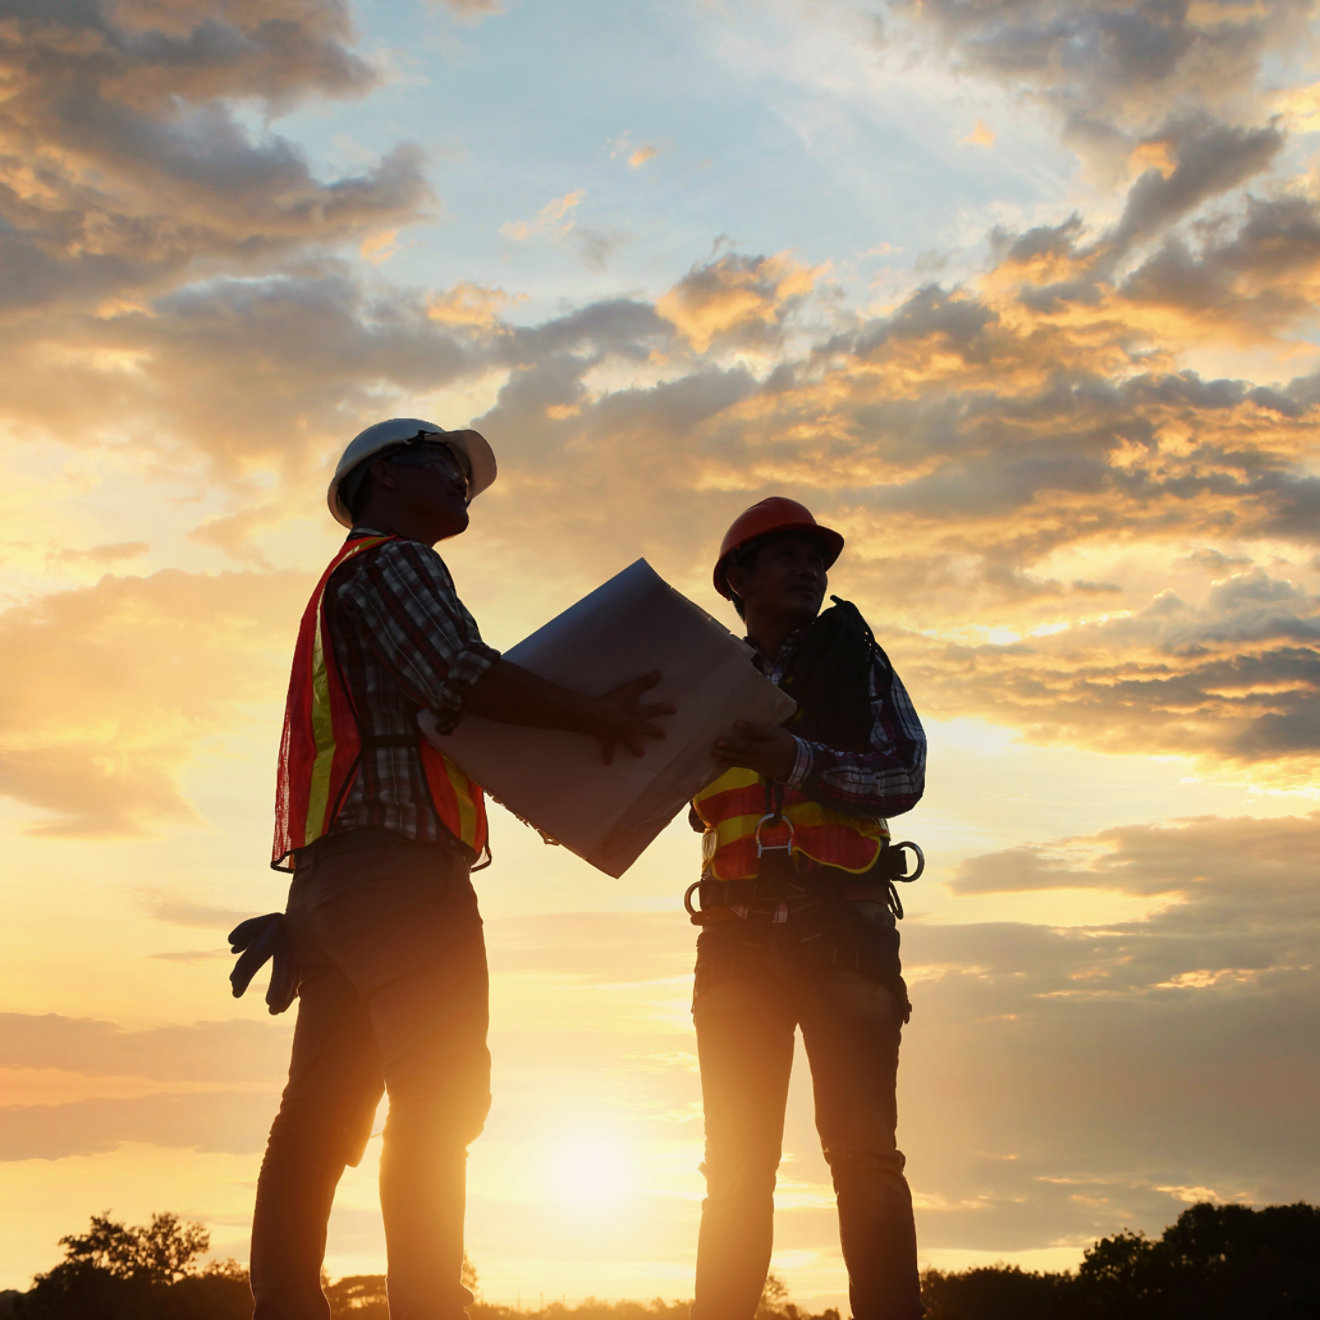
<point>591,1168</point>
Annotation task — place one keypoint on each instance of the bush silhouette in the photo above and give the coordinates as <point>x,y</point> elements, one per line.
<point>1216,1262</point>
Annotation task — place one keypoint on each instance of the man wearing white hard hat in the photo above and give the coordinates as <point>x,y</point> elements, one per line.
<point>381,938</point>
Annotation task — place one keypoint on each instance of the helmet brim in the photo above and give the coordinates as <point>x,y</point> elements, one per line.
<point>379,440</point>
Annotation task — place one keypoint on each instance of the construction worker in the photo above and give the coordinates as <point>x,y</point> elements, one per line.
<point>797,907</point>
<point>381,831</point>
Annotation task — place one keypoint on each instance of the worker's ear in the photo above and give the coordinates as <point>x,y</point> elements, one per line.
<point>384,474</point>
<point>738,577</point>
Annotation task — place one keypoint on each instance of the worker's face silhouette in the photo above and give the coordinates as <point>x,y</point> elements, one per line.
<point>429,484</point>
<point>785,579</point>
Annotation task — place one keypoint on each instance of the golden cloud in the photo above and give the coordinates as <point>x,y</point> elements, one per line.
<point>737,299</point>
<point>982,135</point>
<point>113,689</point>
<point>469,304</point>
<point>555,217</point>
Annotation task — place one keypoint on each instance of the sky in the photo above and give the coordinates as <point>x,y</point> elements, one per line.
<point>1016,294</point>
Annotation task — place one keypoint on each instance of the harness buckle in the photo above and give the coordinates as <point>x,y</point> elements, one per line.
<point>693,913</point>
<point>775,818</point>
<point>920,856</point>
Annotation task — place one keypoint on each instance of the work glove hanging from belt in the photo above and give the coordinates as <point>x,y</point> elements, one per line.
<point>256,941</point>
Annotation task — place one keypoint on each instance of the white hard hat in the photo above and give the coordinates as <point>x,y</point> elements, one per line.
<point>473,452</point>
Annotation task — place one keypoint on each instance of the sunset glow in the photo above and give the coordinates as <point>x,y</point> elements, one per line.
<point>1021,299</point>
<point>592,1170</point>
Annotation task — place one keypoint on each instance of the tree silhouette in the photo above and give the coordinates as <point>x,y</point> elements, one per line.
<point>1216,1262</point>
<point>116,1271</point>
<point>997,1292</point>
<point>160,1252</point>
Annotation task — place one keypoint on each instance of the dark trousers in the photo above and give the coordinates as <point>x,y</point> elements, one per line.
<point>754,987</point>
<point>393,999</point>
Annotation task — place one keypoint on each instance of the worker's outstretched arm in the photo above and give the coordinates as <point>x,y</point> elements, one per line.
<point>513,695</point>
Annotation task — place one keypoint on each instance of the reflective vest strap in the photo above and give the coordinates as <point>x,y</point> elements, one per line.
<point>334,727</point>
<point>324,720</point>
<point>734,805</point>
<point>459,802</point>
<point>736,792</point>
<point>320,742</point>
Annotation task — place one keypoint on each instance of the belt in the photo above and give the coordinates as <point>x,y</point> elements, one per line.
<point>782,879</point>
<point>367,836</point>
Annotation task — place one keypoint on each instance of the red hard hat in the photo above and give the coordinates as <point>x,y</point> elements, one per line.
<point>776,514</point>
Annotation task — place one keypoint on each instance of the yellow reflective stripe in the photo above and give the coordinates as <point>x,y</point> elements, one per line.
<point>814,814</point>
<point>808,819</point>
<point>323,732</point>
<point>805,814</point>
<point>467,809</point>
<point>732,828</point>
<point>734,778</point>
<point>323,736</point>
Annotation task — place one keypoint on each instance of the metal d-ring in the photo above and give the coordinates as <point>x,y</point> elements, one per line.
<point>921,859</point>
<point>687,899</point>
<point>775,818</point>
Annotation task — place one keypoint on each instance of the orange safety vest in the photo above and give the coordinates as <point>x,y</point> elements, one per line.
<point>322,743</point>
<point>737,806</point>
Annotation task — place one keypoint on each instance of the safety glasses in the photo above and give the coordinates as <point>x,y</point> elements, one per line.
<point>440,457</point>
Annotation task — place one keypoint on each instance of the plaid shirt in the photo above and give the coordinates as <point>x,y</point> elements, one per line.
<point>887,780</point>
<point>403,642</point>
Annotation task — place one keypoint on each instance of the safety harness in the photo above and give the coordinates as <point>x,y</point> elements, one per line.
<point>772,853</point>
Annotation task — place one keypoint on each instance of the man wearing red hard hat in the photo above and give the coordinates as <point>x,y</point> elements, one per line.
<point>798,912</point>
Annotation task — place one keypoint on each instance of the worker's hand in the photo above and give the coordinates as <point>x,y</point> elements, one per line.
<point>627,719</point>
<point>766,748</point>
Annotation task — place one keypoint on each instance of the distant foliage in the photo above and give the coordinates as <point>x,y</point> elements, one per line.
<point>1217,1262</point>
<point>998,1292</point>
<point>115,1271</point>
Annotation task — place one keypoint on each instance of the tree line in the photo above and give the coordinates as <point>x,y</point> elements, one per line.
<point>1216,1262</point>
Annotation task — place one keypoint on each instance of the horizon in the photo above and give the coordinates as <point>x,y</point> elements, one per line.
<point>1020,301</point>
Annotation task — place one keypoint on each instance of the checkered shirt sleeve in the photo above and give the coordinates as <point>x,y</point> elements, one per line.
<point>402,603</point>
<point>885,781</point>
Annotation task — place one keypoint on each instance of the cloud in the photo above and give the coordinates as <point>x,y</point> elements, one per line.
<point>241,374</point>
<point>1208,158</point>
<point>1096,1053</point>
<point>737,300</point>
<point>555,217</point>
<point>1236,678</point>
<point>227,1122</point>
<point>176,910</point>
<point>637,154</point>
<point>982,135</point>
<point>123,166</point>
<point>1107,70</point>
<point>234,1051</point>
<point>468,304</point>
<point>101,556</point>
<point>474,9</point>
<point>1198,861</point>
<point>1008,448</point>
<point>113,689</point>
